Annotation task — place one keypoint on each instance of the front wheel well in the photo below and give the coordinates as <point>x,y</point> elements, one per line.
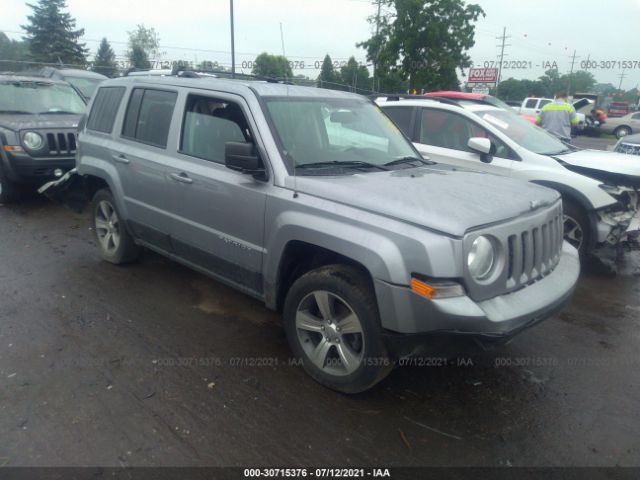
<point>92,184</point>
<point>301,257</point>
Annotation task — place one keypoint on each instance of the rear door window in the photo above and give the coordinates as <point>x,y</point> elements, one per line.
<point>148,117</point>
<point>105,108</point>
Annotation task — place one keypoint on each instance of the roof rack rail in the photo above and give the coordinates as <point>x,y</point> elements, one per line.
<point>187,72</point>
<point>395,97</point>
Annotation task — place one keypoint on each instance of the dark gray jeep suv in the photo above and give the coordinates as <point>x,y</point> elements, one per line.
<point>38,123</point>
<point>314,202</point>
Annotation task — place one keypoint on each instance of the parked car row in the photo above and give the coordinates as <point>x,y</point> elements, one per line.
<point>315,202</point>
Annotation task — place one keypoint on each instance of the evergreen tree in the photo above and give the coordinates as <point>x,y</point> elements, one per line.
<point>327,77</point>
<point>105,61</point>
<point>52,34</point>
<point>355,77</point>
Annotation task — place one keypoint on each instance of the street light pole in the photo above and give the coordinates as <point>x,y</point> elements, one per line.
<point>233,44</point>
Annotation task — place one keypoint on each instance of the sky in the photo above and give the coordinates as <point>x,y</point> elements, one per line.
<point>541,32</point>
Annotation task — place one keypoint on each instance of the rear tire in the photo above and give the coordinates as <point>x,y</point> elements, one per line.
<point>8,190</point>
<point>114,241</point>
<point>332,323</point>
<point>576,226</point>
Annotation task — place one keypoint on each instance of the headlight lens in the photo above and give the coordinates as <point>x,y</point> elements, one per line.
<point>481,258</point>
<point>33,141</point>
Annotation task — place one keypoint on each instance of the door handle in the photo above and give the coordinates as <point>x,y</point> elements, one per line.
<point>181,177</point>
<point>120,158</point>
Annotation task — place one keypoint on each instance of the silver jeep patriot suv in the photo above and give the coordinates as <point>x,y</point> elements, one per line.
<point>312,201</point>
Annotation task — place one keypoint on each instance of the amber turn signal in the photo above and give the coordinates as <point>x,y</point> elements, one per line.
<point>422,288</point>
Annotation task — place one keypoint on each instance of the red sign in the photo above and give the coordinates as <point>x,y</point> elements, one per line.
<point>482,75</point>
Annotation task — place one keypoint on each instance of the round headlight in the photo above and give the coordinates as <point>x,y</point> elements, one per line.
<point>481,258</point>
<point>33,141</point>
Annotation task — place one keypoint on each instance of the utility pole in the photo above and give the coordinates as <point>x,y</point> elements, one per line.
<point>573,61</point>
<point>282,41</point>
<point>502,46</point>
<point>375,60</point>
<point>622,75</point>
<point>233,44</point>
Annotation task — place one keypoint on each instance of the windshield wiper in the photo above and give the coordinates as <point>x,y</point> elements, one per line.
<point>16,112</point>
<point>400,161</point>
<point>55,112</point>
<point>345,164</point>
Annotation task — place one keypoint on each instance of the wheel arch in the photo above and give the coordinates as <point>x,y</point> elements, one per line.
<point>299,257</point>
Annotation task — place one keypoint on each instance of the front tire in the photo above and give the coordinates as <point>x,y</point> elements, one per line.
<point>576,226</point>
<point>114,241</point>
<point>332,324</point>
<point>622,131</point>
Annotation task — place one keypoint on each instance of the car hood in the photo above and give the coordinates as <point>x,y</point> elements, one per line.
<point>436,197</point>
<point>22,122</point>
<point>610,162</point>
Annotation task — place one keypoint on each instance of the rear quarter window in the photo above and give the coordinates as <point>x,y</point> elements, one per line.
<point>402,117</point>
<point>105,108</point>
<point>148,116</point>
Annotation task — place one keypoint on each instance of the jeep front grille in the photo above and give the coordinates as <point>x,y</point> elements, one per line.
<point>61,143</point>
<point>534,252</point>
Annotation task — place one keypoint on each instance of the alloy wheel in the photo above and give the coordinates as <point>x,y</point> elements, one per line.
<point>330,333</point>
<point>107,226</point>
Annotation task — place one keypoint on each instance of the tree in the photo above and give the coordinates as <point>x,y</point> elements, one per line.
<point>424,40</point>
<point>144,45</point>
<point>580,81</point>
<point>512,89</point>
<point>12,52</point>
<point>105,61</point>
<point>355,77</point>
<point>327,75</point>
<point>52,36</point>
<point>276,66</point>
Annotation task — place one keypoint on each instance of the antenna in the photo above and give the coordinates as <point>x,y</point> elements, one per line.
<point>284,54</point>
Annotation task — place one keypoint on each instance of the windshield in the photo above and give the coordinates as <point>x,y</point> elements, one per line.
<point>86,86</point>
<point>522,132</point>
<point>31,97</point>
<point>340,131</point>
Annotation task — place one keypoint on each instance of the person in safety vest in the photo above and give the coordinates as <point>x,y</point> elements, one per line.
<point>558,116</point>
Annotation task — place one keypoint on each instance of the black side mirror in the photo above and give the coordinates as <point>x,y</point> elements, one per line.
<point>243,157</point>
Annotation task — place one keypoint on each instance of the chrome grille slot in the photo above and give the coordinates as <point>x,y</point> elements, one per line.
<point>534,252</point>
<point>72,142</point>
<point>62,143</point>
<point>53,144</point>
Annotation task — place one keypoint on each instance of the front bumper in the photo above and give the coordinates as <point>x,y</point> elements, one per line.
<point>23,168</point>
<point>614,227</point>
<point>495,320</point>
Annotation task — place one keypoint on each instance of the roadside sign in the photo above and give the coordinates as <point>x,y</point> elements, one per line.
<point>482,75</point>
<point>481,90</point>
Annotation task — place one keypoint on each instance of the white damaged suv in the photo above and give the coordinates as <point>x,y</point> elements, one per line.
<point>599,189</point>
